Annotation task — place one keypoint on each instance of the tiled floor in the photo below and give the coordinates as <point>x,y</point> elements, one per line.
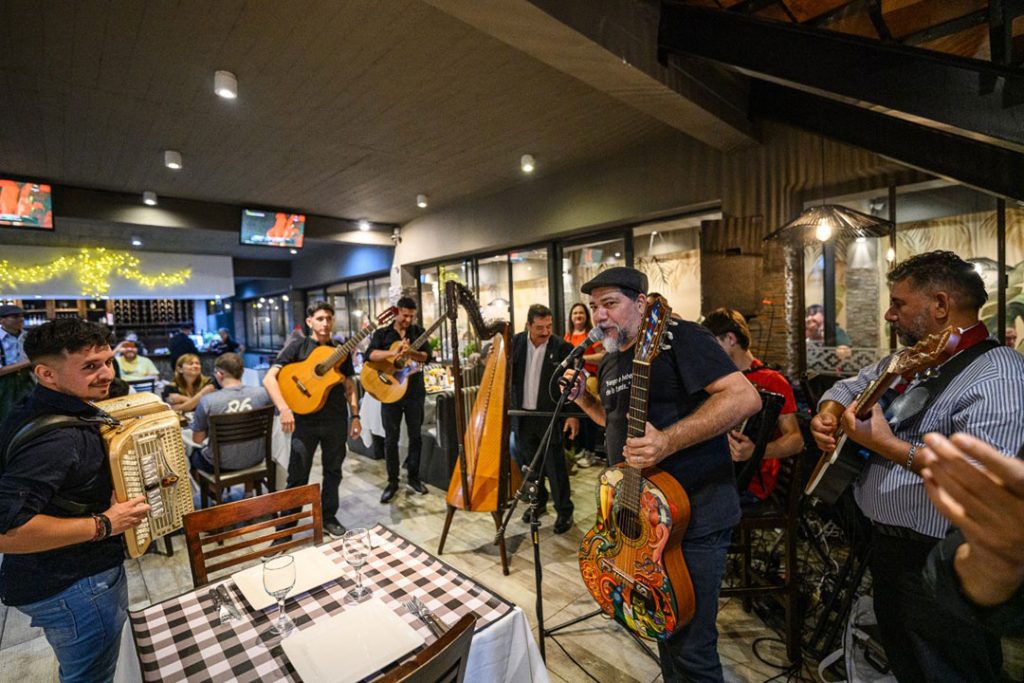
<point>597,644</point>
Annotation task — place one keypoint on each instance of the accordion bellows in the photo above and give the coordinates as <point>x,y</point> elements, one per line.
<point>147,458</point>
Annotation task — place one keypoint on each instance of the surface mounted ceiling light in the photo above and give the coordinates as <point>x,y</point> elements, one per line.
<point>527,163</point>
<point>294,251</point>
<point>364,225</point>
<point>172,159</point>
<point>225,84</point>
<point>136,242</point>
<point>421,201</point>
<point>149,198</point>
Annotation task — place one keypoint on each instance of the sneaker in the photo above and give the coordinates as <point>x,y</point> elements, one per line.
<point>563,523</point>
<point>389,492</point>
<point>586,460</point>
<point>417,486</point>
<point>334,528</point>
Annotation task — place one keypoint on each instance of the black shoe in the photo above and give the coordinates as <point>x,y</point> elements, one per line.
<point>540,513</point>
<point>417,486</point>
<point>334,528</point>
<point>563,523</point>
<point>389,492</point>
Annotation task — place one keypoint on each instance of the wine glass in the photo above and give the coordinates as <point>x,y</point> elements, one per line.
<point>355,547</point>
<point>278,580</point>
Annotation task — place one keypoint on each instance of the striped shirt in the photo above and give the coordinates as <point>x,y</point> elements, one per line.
<point>985,400</point>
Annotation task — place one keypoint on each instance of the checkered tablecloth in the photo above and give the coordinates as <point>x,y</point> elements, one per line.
<point>178,641</point>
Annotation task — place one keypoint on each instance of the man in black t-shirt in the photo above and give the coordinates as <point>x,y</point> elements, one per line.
<point>404,331</point>
<point>61,568</point>
<point>326,427</point>
<point>696,395</point>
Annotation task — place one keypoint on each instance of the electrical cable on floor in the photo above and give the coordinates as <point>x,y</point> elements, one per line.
<point>572,659</point>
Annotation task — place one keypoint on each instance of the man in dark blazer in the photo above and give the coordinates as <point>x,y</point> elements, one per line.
<point>535,358</point>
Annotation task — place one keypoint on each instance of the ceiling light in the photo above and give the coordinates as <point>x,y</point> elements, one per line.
<point>225,84</point>
<point>284,298</point>
<point>527,163</point>
<point>294,251</point>
<point>421,201</point>
<point>172,159</point>
<point>149,198</point>
<point>364,225</point>
<point>263,300</point>
<point>823,231</point>
<point>227,307</point>
<point>136,242</point>
<point>861,239</point>
<point>890,255</point>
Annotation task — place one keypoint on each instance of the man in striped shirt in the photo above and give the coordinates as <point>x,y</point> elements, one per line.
<point>928,293</point>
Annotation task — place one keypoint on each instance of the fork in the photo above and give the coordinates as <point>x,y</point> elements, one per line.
<point>414,606</point>
<point>424,613</point>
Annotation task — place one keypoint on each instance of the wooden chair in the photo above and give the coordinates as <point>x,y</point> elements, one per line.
<point>780,511</point>
<point>239,531</point>
<point>443,661</point>
<point>228,428</point>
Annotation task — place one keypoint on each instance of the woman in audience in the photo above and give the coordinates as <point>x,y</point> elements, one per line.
<point>189,385</point>
<point>579,327</point>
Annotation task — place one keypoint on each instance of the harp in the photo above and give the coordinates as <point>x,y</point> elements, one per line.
<point>147,458</point>
<point>484,476</point>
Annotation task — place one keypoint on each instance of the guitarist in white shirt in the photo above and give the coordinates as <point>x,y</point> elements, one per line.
<point>929,293</point>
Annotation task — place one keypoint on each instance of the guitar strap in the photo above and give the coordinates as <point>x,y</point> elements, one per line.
<point>911,405</point>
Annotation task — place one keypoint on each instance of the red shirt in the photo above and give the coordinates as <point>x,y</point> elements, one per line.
<point>775,382</point>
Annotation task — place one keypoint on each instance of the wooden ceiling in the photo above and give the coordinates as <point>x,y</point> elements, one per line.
<point>346,109</point>
<point>958,27</point>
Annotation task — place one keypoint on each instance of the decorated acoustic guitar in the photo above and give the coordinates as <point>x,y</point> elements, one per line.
<point>387,380</point>
<point>840,468</point>
<point>306,384</point>
<point>630,559</point>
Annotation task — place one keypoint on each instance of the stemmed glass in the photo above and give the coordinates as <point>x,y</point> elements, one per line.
<point>355,547</point>
<point>278,580</point>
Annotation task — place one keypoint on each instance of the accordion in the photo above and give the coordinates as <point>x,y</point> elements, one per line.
<point>147,458</point>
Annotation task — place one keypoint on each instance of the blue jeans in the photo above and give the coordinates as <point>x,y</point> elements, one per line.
<point>692,653</point>
<point>83,625</point>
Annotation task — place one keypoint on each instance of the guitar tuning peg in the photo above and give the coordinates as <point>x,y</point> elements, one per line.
<point>668,335</point>
<point>666,347</point>
<point>672,322</point>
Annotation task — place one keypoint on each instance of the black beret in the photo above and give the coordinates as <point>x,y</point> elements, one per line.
<point>621,277</point>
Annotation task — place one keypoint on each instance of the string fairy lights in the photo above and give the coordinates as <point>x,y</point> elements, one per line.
<point>93,267</point>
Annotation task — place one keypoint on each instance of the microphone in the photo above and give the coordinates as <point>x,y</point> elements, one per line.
<point>596,334</point>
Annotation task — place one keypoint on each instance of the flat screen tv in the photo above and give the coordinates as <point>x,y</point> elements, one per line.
<point>24,204</point>
<point>267,228</point>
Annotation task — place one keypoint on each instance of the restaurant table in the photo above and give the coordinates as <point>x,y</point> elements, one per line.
<point>177,639</point>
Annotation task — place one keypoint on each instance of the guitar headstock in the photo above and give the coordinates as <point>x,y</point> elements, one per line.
<point>929,352</point>
<point>656,317</point>
<point>387,316</point>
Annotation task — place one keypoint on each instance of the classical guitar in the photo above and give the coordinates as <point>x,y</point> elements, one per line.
<point>386,380</point>
<point>306,384</point>
<point>841,467</point>
<point>630,559</point>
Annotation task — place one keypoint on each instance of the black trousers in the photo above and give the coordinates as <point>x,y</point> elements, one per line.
<point>529,432</point>
<point>411,406</point>
<point>922,640</point>
<point>331,436</point>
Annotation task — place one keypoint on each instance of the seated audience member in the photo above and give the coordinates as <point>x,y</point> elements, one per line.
<point>730,329</point>
<point>233,397</point>
<point>189,384</point>
<point>977,571</point>
<point>133,366</point>
<point>1011,337</point>
<point>225,343</point>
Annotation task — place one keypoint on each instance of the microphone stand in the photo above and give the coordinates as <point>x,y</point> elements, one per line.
<point>528,492</point>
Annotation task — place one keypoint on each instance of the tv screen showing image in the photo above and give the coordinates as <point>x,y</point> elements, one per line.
<point>272,229</point>
<point>25,205</point>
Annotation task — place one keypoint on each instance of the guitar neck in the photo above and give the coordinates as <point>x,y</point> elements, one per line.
<point>636,425</point>
<point>422,339</point>
<point>341,352</point>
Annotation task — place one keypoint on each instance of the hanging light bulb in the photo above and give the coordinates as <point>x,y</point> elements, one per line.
<point>824,230</point>
<point>890,255</point>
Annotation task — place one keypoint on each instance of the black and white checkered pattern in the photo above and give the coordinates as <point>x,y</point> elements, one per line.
<point>178,641</point>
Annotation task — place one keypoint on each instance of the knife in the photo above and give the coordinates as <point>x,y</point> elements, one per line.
<point>225,598</point>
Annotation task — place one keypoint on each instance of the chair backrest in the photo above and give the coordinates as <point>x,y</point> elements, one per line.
<point>226,428</point>
<point>443,661</point>
<point>143,385</point>
<point>235,533</point>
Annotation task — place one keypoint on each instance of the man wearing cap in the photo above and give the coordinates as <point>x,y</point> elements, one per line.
<point>133,366</point>
<point>696,395</point>
<point>15,374</point>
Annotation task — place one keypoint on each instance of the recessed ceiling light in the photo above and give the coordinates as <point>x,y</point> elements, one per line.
<point>284,298</point>
<point>421,201</point>
<point>225,85</point>
<point>527,163</point>
<point>149,198</point>
<point>294,251</point>
<point>364,225</point>
<point>136,242</point>
<point>172,159</point>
